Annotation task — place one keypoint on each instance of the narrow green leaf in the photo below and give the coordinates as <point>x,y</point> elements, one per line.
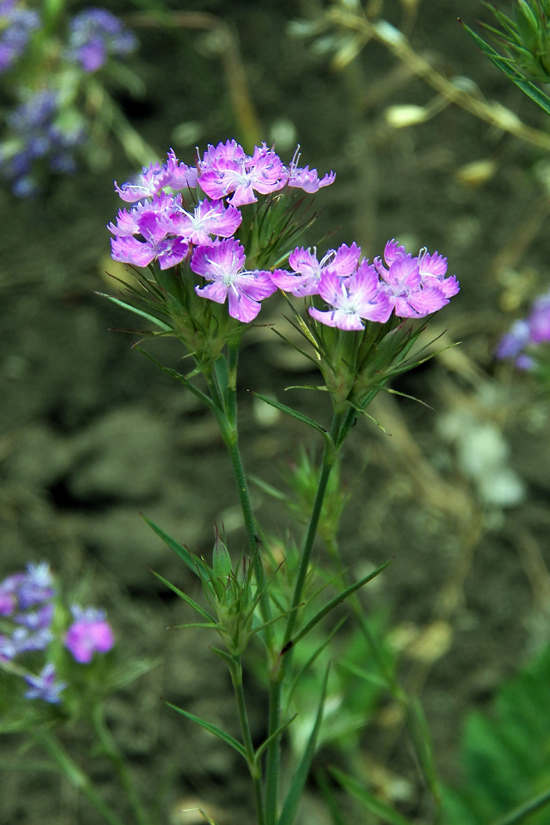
<point>334,603</point>
<point>292,800</point>
<point>268,488</point>
<point>225,737</point>
<point>196,565</point>
<point>187,599</point>
<point>227,658</point>
<point>508,69</point>
<point>521,813</point>
<point>273,736</point>
<point>312,658</point>
<point>368,800</point>
<point>294,413</point>
<point>136,311</point>
<point>195,624</point>
<point>328,796</point>
<point>183,380</point>
<point>363,674</point>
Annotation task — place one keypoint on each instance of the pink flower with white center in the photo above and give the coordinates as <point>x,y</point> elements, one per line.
<point>127,223</point>
<point>223,264</point>
<point>90,633</point>
<point>156,177</point>
<point>308,271</point>
<point>354,299</point>
<point>306,178</point>
<point>226,169</point>
<point>208,218</point>
<point>154,228</point>
<point>413,293</point>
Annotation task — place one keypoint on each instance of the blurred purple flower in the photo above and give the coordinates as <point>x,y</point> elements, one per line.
<point>223,264</point>
<point>36,585</point>
<point>512,343</point>
<point>16,24</point>
<point>527,333</point>
<point>308,271</point>
<point>94,35</point>
<point>37,620</point>
<point>89,633</point>
<point>44,685</point>
<point>354,299</point>
<point>539,320</point>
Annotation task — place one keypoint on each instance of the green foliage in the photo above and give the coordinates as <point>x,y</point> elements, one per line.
<point>526,37</point>
<point>506,755</point>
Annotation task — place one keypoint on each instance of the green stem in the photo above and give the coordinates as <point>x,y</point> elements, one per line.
<point>330,455</point>
<point>111,751</point>
<point>519,814</point>
<point>255,771</point>
<point>75,775</point>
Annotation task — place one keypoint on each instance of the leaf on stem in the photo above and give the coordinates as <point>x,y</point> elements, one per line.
<point>294,794</point>
<point>371,802</point>
<point>334,603</point>
<point>225,737</point>
<point>196,565</point>
<point>312,658</point>
<point>136,311</point>
<point>187,599</point>
<point>295,414</point>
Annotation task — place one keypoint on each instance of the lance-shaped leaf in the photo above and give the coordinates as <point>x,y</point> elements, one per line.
<point>341,597</point>
<point>332,804</point>
<point>295,414</point>
<point>187,599</point>
<point>195,564</point>
<point>507,68</point>
<point>371,802</point>
<point>225,737</point>
<point>312,659</point>
<point>137,311</point>
<point>275,735</point>
<point>183,380</point>
<point>294,794</point>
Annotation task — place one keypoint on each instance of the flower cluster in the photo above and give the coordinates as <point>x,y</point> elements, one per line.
<point>41,132</point>
<point>527,334</point>
<point>47,123</point>
<point>160,227</point>
<point>354,291</point>
<point>27,607</point>
<point>16,25</point>
<point>96,34</point>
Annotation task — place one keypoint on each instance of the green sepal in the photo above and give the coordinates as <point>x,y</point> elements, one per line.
<point>136,311</point>
<point>227,657</point>
<point>275,735</point>
<point>334,603</point>
<point>295,414</point>
<point>196,565</point>
<point>225,737</point>
<point>371,802</point>
<point>507,68</point>
<point>294,794</point>
<point>185,598</point>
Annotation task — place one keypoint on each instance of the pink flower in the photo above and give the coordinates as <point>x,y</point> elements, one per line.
<point>226,169</point>
<point>308,271</point>
<point>222,263</point>
<point>89,633</point>
<point>352,300</point>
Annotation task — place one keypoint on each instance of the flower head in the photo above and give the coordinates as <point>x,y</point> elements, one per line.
<point>222,263</point>
<point>352,300</point>
<point>44,686</point>
<point>88,634</point>
<point>227,170</point>
<point>306,178</point>
<point>308,271</point>
<point>94,35</point>
<point>157,177</point>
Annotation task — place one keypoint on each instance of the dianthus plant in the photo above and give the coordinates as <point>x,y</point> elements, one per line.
<point>208,243</point>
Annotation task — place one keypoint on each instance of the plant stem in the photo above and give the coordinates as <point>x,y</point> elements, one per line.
<point>519,814</point>
<point>330,455</point>
<point>75,775</point>
<point>255,771</point>
<point>111,751</point>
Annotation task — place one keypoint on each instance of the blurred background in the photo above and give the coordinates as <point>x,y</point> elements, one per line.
<point>91,434</point>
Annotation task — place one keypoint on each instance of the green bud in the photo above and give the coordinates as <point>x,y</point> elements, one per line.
<point>221,560</point>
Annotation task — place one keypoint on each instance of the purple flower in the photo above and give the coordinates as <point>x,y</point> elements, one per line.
<point>169,206</point>
<point>514,341</point>
<point>36,585</point>
<point>527,333</point>
<point>156,177</point>
<point>38,620</point>
<point>306,178</point>
<point>416,287</point>
<point>309,271</point>
<point>16,24</point>
<point>154,228</point>
<point>89,633</point>
<point>227,170</point>
<point>94,34</point>
<point>223,264</point>
<point>23,641</point>
<point>208,218</point>
<point>8,593</point>
<point>44,685</point>
<point>539,320</point>
<point>353,299</point>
